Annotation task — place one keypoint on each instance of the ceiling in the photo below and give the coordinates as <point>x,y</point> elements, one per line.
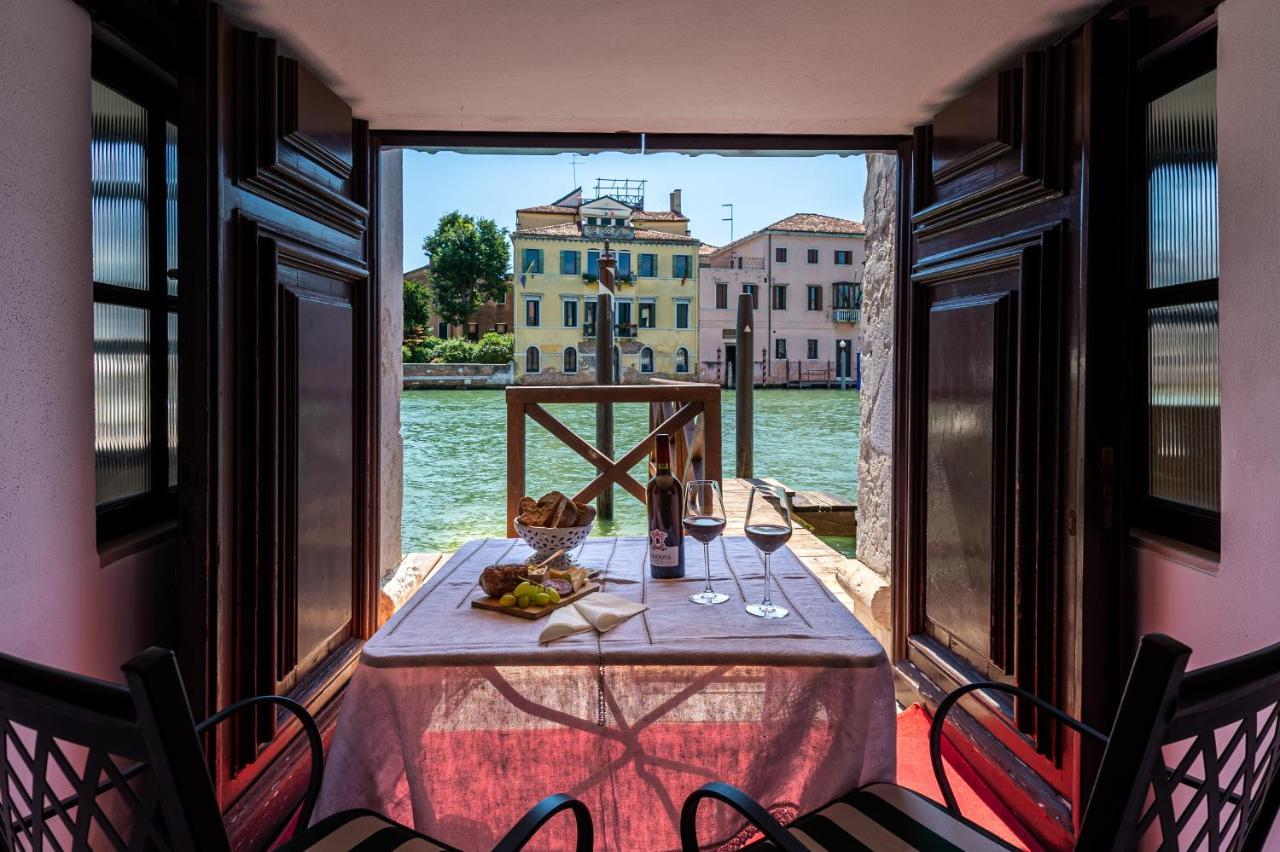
<point>675,66</point>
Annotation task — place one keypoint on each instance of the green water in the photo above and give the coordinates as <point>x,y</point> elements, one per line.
<point>455,457</point>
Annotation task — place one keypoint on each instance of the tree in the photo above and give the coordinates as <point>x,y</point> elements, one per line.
<point>417,305</point>
<point>469,259</point>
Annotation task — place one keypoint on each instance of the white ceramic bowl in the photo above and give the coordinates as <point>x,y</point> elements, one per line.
<point>547,540</point>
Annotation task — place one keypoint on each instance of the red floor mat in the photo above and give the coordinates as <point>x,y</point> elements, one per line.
<point>976,800</point>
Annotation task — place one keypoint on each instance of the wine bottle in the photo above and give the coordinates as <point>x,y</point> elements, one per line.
<point>666,507</point>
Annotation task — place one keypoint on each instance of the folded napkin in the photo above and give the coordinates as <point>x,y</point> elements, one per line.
<point>600,611</point>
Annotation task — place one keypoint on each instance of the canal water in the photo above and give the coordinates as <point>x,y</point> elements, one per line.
<point>455,457</point>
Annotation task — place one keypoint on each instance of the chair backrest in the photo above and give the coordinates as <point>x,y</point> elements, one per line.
<point>1193,758</point>
<point>88,764</point>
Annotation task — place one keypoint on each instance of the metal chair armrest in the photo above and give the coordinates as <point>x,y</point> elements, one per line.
<point>740,802</point>
<point>309,727</point>
<point>528,826</point>
<point>939,718</point>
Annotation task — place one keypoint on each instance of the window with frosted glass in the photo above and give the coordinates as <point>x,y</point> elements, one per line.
<point>133,156</point>
<point>1181,460</point>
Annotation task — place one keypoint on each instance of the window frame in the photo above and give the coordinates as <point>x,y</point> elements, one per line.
<point>811,349</point>
<point>536,359</point>
<point>652,304</point>
<point>778,297</point>
<point>1158,76</point>
<point>524,262</point>
<point>722,295</point>
<point>566,303</point>
<point>641,362</point>
<point>536,301</point>
<point>577,262</point>
<point>158,505</point>
<point>687,304</point>
<point>569,352</point>
<point>848,255</point>
<point>779,349</point>
<point>675,264</point>
<point>592,267</point>
<point>813,297</point>
<point>653,265</point>
<point>780,254</point>
<point>811,256</point>
<point>754,290</point>
<point>682,350</point>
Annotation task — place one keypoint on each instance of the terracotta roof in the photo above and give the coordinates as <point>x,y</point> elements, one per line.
<point>816,223</point>
<point>574,229</point>
<point>549,208</point>
<point>659,216</point>
<point>707,248</point>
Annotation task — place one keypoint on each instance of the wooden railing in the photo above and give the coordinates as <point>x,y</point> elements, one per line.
<point>687,400</point>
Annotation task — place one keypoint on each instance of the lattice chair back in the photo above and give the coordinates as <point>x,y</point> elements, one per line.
<point>86,764</point>
<point>1204,748</point>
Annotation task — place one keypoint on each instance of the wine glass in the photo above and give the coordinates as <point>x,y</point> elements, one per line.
<point>704,520</point>
<point>768,527</point>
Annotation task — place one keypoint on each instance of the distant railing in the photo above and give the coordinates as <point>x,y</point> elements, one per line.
<point>735,263</point>
<point>689,400</point>
<point>608,232</point>
<point>845,314</point>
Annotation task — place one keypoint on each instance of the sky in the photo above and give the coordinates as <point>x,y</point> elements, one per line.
<point>762,190</point>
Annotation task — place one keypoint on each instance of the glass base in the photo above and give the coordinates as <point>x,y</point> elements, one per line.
<point>709,598</point>
<point>767,611</point>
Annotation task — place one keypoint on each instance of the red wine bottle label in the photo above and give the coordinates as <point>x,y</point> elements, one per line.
<point>661,553</point>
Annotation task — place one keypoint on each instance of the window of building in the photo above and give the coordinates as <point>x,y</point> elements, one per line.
<point>502,297</point>
<point>532,360</point>
<point>646,360</point>
<point>844,258</point>
<point>622,314</point>
<point>648,266</point>
<point>681,264</point>
<point>621,223</point>
<point>779,255</point>
<point>754,290</point>
<point>473,331</point>
<point>843,295</point>
<point>570,313</point>
<point>779,300</point>
<point>682,360</point>
<point>442,330</point>
<point>811,349</point>
<point>133,153</point>
<point>812,256</point>
<point>531,261</point>
<point>593,263</point>
<point>722,295</point>
<point>780,348</point>
<point>624,263</point>
<point>589,318</point>
<point>1179,444</point>
<point>682,313</point>
<point>814,297</point>
<point>571,360</point>
<point>570,262</point>
<point>532,311</point>
<point>500,327</point>
<point>648,313</point>
<point>593,220</point>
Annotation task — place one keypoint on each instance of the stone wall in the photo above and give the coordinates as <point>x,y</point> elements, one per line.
<point>420,376</point>
<point>875,457</point>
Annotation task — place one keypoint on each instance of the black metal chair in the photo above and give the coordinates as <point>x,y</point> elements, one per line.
<point>86,764</point>
<point>1191,763</point>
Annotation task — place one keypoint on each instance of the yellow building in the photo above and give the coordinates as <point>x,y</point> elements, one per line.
<point>557,250</point>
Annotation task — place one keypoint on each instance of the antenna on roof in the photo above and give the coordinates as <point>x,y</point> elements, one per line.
<point>574,160</point>
<point>729,219</point>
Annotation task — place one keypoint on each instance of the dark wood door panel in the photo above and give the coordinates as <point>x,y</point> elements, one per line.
<point>319,360</point>
<point>966,569</point>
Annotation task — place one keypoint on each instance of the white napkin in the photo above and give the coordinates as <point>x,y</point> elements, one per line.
<point>600,611</point>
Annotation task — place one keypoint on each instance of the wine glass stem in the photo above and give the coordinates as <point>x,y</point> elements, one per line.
<point>768,601</point>
<point>706,562</point>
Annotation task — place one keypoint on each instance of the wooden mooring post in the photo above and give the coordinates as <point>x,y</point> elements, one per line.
<point>744,379</point>
<point>605,374</point>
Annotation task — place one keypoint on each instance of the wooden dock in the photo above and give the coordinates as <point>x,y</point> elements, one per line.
<point>822,512</point>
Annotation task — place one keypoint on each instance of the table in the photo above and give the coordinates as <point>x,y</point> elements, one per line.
<point>456,720</point>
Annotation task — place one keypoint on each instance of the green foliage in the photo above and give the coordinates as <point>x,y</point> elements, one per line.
<point>417,306</point>
<point>469,260</point>
<point>495,348</point>
<point>455,350</point>
<point>421,351</point>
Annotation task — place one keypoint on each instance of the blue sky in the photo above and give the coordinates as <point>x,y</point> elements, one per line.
<point>761,189</point>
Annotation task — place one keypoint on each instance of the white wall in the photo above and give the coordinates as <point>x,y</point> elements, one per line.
<point>1238,608</point>
<point>59,604</point>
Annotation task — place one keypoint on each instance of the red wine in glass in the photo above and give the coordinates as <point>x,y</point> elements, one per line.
<point>703,522</point>
<point>768,527</point>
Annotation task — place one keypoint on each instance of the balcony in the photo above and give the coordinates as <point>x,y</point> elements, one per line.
<point>608,232</point>
<point>846,314</point>
<point>736,263</point>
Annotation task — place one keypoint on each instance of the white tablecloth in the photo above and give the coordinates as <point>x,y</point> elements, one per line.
<point>456,720</point>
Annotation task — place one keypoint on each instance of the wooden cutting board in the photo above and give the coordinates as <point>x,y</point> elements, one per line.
<point>532,612</point>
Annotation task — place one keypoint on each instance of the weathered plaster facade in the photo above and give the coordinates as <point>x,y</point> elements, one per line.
<point>390,369</point>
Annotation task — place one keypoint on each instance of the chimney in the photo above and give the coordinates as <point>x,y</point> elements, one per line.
<point>675,201</point>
